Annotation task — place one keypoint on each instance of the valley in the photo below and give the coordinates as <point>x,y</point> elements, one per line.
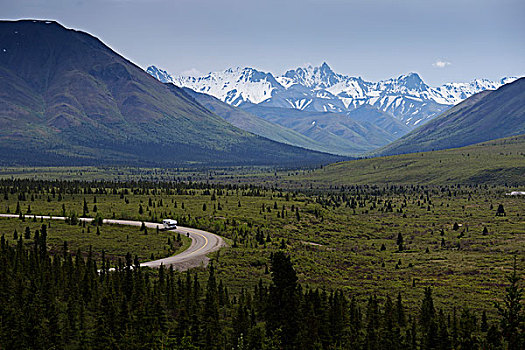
<point>303,210</point>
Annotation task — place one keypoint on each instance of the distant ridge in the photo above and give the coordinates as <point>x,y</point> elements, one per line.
<point>321,131</point>
<point>254,124</point>
<point>339,132</point>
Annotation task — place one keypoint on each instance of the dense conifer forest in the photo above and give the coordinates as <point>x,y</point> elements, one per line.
<point>68,302</point>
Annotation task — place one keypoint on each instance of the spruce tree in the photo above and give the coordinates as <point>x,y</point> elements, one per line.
<point>400,312</point>
<point>282,311</point>
<point>512,316</point>
<point>85,209</point>
<point>399,241</point>
<point>210,319</point>
<point>427,320</point>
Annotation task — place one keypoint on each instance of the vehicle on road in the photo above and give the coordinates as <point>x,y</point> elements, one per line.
<point>169,224</point>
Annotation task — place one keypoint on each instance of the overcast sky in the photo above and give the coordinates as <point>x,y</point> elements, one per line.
<point>445,40</point>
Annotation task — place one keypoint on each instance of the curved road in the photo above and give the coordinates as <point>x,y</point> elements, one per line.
<point>202,242</point>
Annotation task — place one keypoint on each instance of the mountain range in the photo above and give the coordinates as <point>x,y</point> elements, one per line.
<point>66,98</point>
<point>406,98</point>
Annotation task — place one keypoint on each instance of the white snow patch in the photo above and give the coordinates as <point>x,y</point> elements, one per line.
<point>414,98</point>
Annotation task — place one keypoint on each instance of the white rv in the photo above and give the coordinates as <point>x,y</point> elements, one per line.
<point>169,224</point>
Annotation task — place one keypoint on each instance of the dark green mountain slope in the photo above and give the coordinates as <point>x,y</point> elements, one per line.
<point>340,133</point>
<point>66,98</point>
<point>485,116</point>
<point>254,124</point>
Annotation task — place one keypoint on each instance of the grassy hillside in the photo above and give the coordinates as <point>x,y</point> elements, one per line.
<point>499,161</point>
<point>485,116</point>
<point>66,98</point>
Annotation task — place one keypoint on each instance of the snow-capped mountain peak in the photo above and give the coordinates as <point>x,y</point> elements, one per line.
<point>320,89</point>
<point>454,93</point>
<point>412,82</point>
<point>160,74</point>
<point>234,85</point>
<point>321,77</point>
<point>507,80</point>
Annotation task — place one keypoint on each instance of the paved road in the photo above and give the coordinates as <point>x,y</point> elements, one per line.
<point>202,242</point>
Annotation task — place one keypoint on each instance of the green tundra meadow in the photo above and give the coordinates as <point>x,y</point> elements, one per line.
<point>361,239</point>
